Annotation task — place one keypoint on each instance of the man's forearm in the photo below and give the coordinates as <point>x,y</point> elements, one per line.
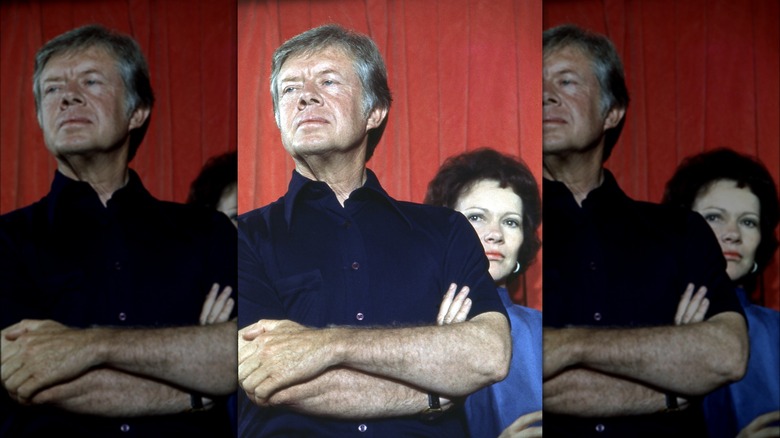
<point>691,359</point>
<point>112,393</point>
<point>453,360</point>
<point>587,393</point>
<point>200,358</point>
<point>351,395</point>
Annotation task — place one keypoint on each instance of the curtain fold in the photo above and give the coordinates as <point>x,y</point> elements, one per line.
<point>702,74</point>
<point>191,50</point>
<point>463,73</point>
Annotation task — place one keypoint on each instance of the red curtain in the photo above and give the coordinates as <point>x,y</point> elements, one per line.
<point>464,74</point>
<point>701,74</point>
<point>191,50</point>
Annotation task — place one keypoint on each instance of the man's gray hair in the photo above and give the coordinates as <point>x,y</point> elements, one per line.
<point>130,63</point>
<point>368,63</point>
<point>606,66</point>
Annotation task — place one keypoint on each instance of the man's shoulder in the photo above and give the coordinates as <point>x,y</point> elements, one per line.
<point>192,219</point>
<point>666,217</point>
<point>23,220</point>
<point>424,213</point>
<point>260,218</point>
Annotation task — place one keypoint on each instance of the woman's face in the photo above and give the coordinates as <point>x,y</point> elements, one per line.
<point>228,203</point>
<point>733,213</point>
<point>497,215</point>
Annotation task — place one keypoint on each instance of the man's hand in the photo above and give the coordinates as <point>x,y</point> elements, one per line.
<point>521,428</point>
<point>278,354</point>
<point>40,353</point>
<point>557,352</point>
<point>217,308</point>
<point>692,307</point>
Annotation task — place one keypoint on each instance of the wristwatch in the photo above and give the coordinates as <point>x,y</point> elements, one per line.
<point>196,403</point>
<point>434,409</point>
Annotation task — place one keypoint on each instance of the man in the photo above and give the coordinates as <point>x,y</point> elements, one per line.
<point>339,284</point>
<point>103,284</point>
<point>615,269</point>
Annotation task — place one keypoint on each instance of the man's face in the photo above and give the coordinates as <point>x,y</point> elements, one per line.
<point>320,104</point>
<point>571,103</point>
<point>82,107</point>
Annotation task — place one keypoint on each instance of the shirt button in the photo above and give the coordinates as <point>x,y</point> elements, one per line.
<point>125,428</point>
<point>359,316</point>
<point>592,266</point>
<point>118,266</point>
<point>355,265</point>
<point>122,316</point>
<point>599,428</point>
<point>597,316</point>
<point>362,428</point>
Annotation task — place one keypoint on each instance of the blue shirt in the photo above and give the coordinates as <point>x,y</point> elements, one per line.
<point>730,408</point>
<point>136,262</point>
<point>617,262</point>
<point>373,262</point>
<point>492,409</point>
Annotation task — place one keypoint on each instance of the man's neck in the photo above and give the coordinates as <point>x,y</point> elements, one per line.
<point>343,176</point>
<point>581,173</point>
<point>105,175</point>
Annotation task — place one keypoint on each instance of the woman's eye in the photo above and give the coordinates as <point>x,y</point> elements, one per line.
<point>711,217</point>
<point>750,223</point>
<point>512,223</point>
<point>474,217</point>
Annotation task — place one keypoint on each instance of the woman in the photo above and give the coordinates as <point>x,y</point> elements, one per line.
<point>216,186</point>
<point>737,197</point>
<point>500,197</point>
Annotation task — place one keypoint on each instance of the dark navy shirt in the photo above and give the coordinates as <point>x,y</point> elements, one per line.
<point>616,262</point>
<point>373,262</point>
<point>136,262</point>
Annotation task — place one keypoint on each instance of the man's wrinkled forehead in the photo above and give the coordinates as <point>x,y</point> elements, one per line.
<point>319,62</point>
<point>85,52</point>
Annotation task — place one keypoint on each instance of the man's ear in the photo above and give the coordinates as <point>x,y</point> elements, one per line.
<point>138,117</point>
<point>614,116</point>
<point>375,118</point>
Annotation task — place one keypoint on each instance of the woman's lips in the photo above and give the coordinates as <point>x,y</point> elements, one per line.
<point>492,255</point>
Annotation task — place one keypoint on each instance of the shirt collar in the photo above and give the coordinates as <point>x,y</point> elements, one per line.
<point>299,184</point>
<point>69,196</point>
<point>608,190</point>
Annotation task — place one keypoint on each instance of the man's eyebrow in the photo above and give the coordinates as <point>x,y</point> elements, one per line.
<point>297,77</point>
<point>59,77</point>
<point>567,70</point>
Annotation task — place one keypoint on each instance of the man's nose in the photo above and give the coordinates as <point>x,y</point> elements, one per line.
<point>71,95</point>
<point>549,96</point>
<point>309,96</point>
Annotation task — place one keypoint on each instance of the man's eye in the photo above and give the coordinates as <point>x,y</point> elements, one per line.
<point>328,82</point>
<point>50,89</point>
